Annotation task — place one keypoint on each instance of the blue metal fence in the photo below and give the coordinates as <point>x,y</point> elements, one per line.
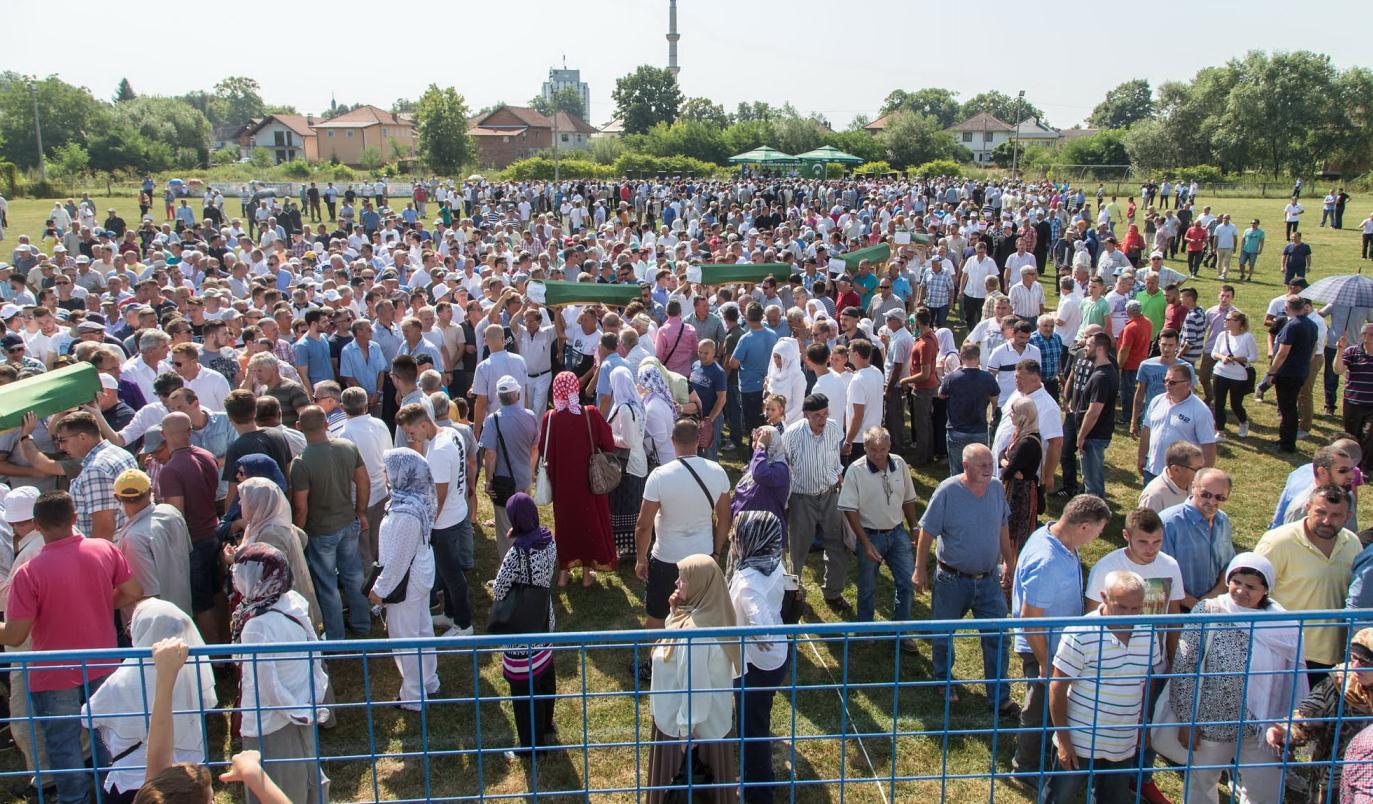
<point>855,716</point>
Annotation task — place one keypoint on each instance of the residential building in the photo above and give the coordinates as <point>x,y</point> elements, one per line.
<point>508,133</point>
<point>565,78</point>
<point>287,136</point>
<point>345,137</point>
<point>981,134</point>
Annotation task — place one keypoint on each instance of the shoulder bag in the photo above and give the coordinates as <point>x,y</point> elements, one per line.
<point>602,470</point>
<point>398,594</point>
<point>502,486</point>
<point>1250,374</point>
<point>543,489</point>
<point>524,609</point>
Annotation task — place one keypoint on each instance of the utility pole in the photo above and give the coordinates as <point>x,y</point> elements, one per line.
<point>37,130</point>
<point>1015,135</point>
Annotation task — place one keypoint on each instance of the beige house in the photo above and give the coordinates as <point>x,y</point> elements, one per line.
<point>345,137</point>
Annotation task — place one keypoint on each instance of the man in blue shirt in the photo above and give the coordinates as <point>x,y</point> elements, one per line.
<point>750,360</point>
<point>312,352</point>
<point>361,363</point>
<point>708,381</point>
<point>608,357</point>
<point>1197,534</point>
<point>1048,583</point>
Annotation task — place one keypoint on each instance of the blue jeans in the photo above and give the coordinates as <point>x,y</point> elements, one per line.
<point>952,598</point>
<point>1092,458</point>
<point>894,548</point>
<point>734,413</point>
<point>712,452</point>
<point>452,556</point>
<point>956,441</point>
<point>62,738</point>
<point>1127,394</point>
<point>1148,477</point>
<point>334,562</point>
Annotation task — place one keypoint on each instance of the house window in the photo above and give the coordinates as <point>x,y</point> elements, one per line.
<point>281,156</point>
<point>350,134</point>
<point>331,133</point>
<point>987,136</point>
<point>505,140</point>
<point>564,136</point>
<point>967,136</point>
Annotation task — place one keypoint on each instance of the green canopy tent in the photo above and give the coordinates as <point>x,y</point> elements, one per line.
<point>48,393</point>
<point>817,161</point>
<point>725,273</point>
<point>556,294</point>
<point>763,155</point>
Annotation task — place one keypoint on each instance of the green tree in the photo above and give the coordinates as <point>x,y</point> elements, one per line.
<point>403,106</point>
<point>565,99</point>
<point>70,161</point>
<point>1279,114</point>
<point>1001,106</point>
<point>683,138</point>
<point>1353,146</point>
<point>1151,146</point>
<point>912,139</point>
<point>937,102</point>
<point>859,143</point>
<point>67,113</point>
<point>242,97</point>
<point>1102,148</point>
<point>124,92</point>
<point>796,135</point>
<point>173,122</point>
<point>1124,106</point>
<point>748,135</point>
<point>703,110</point>
<point>441,124</point>
<point>207,103</point>
<point>1190,113</point>
<point>645,97</point>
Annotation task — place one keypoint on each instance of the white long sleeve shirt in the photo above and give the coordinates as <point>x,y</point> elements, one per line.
<point>277,689</point>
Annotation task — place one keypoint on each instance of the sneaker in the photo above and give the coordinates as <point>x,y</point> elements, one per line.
<point>457,632</point>
<point>1302,434</point>
<point>1067,494</point>
<point>1244,430</point>
<point>442,622</point>
<point>1220,435</point>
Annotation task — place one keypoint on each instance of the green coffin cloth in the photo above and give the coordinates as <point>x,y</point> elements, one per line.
<point>47,393</point>
<point>559,293</point>
<point>878,253</point>
<point>724,273</point>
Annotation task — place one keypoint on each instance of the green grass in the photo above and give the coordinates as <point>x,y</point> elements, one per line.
<point>617,604</point>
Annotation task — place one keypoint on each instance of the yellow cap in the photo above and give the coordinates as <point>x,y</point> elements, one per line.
<point>132,483</point>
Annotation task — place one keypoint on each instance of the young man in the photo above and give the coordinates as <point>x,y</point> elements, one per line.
<point>967,390</point>
<point>708,381</point>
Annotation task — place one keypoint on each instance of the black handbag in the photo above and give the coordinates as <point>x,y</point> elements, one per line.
<point>502,486</point>
<point>524,609</point>
<point>398,594</point>
<point>692,780</point>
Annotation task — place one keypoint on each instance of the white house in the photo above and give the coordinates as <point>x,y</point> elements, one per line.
<point>981,134</point>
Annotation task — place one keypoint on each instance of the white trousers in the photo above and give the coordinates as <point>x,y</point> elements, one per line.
<point>536,393</point>
<point>1255,785</point>
<point>418,669</point>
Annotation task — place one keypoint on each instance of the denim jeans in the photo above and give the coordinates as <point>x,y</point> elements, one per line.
<point>62,739</point>
<point>734,415</point>
<point>952,598</point>
<point>894,548</point>
<point>333,560</point>
<point>1127,394</point>
<point>956,441</point>
<point>1093,460</point>
<point>449,551</point>
<point>1104,787</point>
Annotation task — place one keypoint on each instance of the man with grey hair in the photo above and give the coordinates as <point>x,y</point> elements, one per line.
<point>265,369</point>
<point>509,440</point>
<point>153,347</point>
<point>1098,679</point>
<point>370,436</point>
<point>327,395</point>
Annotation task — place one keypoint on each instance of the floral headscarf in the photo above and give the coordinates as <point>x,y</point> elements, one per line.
<point>566,391</point>
<point>412,487</point>
<point>261,575</point>
<point>758,541</point>
<point>655,385</point>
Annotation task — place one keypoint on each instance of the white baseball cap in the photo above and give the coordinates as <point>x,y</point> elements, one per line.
<point>19,504</point>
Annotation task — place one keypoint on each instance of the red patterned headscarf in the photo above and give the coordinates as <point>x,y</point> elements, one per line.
<point>565,392</point>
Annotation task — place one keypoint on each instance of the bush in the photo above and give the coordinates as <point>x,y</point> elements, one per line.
<point>224,156</point>
<point>342,172</point>
<point>298,169</point>
<point>1202,174</point>
<point>9,174</point>
<point>45,188</point>
<point>878,168</point>
<point>541,167</point>
<point>262,157</point>
<point>938,168</point>
<point>645,164</point>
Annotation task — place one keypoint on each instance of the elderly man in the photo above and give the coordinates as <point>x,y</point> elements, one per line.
<point>155,543</point>
<point>1197,534</point>
<point>266,370</point>
<point>975,563</point>
<point>812,445</point>
<point>361,363</point>
<point>370,436</point>
<point>151,360</point>
<point>1098,680</point>
<point>1181,462</point>
<point>1027,295</point>
<point>509,441</point>
<point>98,514</point>
<point>1175,415</point>
<point>1314,559</point>
<point>188,481</point>
<point>536,340</point>
<point>1048,583</point>
<point>878,501</point>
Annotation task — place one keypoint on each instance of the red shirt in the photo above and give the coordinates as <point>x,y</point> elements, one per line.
<point>1197,237</point>
<point>1136,335</point>
<point>925,353</point>
<point>1174,316</point>
<point>67,591</point>
<point>850,299</point>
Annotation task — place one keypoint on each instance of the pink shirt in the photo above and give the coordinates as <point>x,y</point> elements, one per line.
<point>67,591</point>
<point>677,353</point>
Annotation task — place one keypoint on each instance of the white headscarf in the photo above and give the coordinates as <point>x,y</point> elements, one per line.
<point>124,702</point>
<point>944,336</point>
<point>263,506</point>
<point>623,391</point>
<point>790,352</point>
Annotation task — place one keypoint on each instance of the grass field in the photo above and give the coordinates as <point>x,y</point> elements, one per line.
<point>617,603</point>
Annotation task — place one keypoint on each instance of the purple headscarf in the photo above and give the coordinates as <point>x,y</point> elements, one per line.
<point>525,530</point>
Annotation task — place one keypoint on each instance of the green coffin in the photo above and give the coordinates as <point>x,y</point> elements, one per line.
<point>725,273</point>
<point>48,393</point>
<point>878,253</point>
<point>560,293</point>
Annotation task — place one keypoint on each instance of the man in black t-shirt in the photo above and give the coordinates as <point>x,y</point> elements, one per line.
<point>1093,407</point>
<point>1291,364</point>
<point>967,391</point>
<point>241,407</point>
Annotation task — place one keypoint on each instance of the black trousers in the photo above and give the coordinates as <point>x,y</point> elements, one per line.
<point>1233,390</point>
<point>1288,389</point>
<point>752,404</point>
<point>532,700</point>
<point>753,703</point>
<point>972,310</point>
<point>1068,460</point>
<point>1358,422</point>
<point>1194,261</point>
<point>333,211</point>
<point>1367,247</point>
<point>1292,227</point>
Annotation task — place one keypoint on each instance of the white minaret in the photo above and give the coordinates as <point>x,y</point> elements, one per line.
<point>672,37</point>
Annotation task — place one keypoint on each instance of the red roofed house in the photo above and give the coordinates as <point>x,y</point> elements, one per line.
<point>287,136</point>
<point>345,137</point>
<point>508,133</point>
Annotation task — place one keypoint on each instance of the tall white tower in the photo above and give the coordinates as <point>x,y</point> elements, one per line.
<point>672,37</point>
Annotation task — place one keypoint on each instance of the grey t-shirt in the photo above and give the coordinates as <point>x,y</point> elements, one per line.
<point>968,526</point>
<point>519,430</point>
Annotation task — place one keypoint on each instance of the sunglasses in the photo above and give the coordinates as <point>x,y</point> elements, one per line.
<point>1206,495</point>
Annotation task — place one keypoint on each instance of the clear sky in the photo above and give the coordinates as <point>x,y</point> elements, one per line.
<point>839,59</point>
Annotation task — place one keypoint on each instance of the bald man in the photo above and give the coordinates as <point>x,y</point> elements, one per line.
<point>188,480</point>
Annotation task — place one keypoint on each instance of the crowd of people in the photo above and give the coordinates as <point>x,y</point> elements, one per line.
<point>297,428</point>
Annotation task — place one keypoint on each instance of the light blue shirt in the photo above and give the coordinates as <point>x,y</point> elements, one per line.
<point>1047,576</point>
<point>1361,587</point>
<point>603,378</point>
<point>363,370</point>
<point>313,354</point>
<point>1297,481</point>
<point>1201,550</point>
<point>389,339</point>
<point>753,352</point>
<point>214,438</point>
<point>423,347</point>
<point>1188,420</point>
<point>1150,375</point>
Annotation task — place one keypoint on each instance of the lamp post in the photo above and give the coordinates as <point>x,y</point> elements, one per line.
<point>37,129</point>
<point>1015,135</point>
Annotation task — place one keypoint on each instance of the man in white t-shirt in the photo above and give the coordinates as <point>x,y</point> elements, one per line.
<point>685,512</point>
<point>832,384</point>
<point>451,537</point>
<point>1029,383</point>
<point>1068,316</point>
<point>866,392</point>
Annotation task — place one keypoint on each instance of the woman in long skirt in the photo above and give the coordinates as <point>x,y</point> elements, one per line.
<point>581,520</point>
<point>627,426</point>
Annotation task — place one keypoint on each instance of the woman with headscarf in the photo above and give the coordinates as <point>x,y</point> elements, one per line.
<point>626,422</point>
<point>946,363</point>
<point>406,558</point>
<point>786,378</point>
<point>766,483</point>
<point>756,584</point>
<point>280,694</point>
<point>528,667</point>
<point>691,683</point>
<point>1229,673</point>
<point>250,466</point>
<point>267,520</point>
<point>1020,471</point>
<point>660,413</point>
<point>1133,245</point>
<point>581,519</point>
<point>1330,717</point>
<point>118,711</point>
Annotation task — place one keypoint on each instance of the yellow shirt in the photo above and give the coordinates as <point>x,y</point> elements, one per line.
<point>1308,581</point>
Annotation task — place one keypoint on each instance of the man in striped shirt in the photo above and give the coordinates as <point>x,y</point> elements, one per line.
<point>812,446</point>
<point>1096,695</point>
